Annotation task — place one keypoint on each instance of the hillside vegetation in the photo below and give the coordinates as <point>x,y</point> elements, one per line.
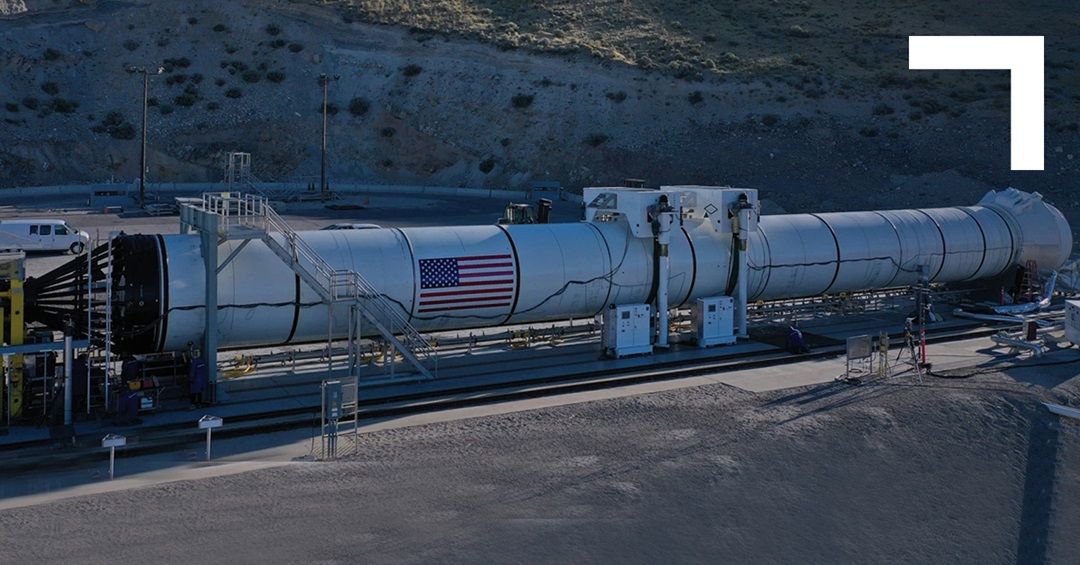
<point>810,101</point>
<point>852,39</point>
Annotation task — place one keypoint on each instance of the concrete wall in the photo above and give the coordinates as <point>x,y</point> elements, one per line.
<point>343,188</point>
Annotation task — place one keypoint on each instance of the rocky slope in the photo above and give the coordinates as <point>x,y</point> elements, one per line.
<point>811,103</point>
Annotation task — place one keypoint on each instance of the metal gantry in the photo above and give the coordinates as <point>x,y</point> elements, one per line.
<point>247,217</point>
<point>239,178</point>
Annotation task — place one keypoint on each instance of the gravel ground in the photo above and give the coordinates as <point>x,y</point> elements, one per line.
<point>960,470</point>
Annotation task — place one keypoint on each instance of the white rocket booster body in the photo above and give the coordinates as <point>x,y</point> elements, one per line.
<point>444,278</point>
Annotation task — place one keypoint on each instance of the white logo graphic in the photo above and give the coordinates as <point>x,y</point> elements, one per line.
<point>1023,55</point>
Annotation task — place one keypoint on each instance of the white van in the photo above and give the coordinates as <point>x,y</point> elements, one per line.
<point>42,235</point>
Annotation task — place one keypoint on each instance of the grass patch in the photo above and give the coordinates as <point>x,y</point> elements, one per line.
<point>63,106</point>
<point>929,106</point>
<point>181,62</point>
<point>883,109</point>
<point>359,106</point>
<point>799,32</point>
<point>116,126</point>
<point>522,101</point>
<point>596,139</point>
<point>616,97</point>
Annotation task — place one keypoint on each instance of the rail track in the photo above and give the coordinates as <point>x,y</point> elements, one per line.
<point>52,454</point>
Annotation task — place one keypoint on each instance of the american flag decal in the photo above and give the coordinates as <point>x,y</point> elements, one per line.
<point>466,283</point>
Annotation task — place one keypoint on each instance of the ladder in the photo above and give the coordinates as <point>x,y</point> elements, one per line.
<point>334,286</point>
<point>1031,286</point>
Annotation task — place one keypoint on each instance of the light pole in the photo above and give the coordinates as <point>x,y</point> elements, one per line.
<point>142,158</point>
<point>324,189</point>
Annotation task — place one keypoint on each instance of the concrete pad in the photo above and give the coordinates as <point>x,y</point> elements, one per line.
<point>763,379</point>
<point>203,470</point>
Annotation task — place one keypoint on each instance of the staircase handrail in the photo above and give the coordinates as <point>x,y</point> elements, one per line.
<point>253,212</point>
<point>324,272</point>
<point>347,284</point>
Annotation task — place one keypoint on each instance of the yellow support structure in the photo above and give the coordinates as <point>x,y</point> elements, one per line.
<point>13,325</point>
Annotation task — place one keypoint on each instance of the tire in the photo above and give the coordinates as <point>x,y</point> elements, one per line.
<point>78,247</point>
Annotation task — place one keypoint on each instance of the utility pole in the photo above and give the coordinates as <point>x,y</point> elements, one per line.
<point>142,159</point>
<point>324,188</point>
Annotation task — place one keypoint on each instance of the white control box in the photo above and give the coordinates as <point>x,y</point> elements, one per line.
<point>1072,321</point>
<point>714,321</point>
<point>626,330</point>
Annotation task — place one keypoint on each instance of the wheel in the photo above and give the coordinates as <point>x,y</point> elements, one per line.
<point>78,247</point>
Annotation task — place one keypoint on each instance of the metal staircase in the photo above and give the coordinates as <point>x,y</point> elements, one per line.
<point>250,216</point>
<point>238,177</point>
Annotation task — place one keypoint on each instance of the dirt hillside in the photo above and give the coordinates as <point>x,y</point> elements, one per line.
<point>811,102</point>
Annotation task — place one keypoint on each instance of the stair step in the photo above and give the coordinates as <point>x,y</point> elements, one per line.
<point>376,310</point>
<point>248,217</point>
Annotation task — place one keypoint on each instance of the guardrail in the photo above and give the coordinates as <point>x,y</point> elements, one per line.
<point>335,285</point>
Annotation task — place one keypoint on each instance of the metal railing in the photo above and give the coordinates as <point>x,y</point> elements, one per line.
<point>853,303</point>
<point>332,285</point>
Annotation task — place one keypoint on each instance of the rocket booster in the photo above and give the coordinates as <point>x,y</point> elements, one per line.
<point>445,278</point>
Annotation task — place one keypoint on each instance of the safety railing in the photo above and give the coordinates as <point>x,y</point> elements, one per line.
<point>252,212</point>
<point>335,285</point>
<point>350,285</point>
<point>301,252</point>
<point>232,206</point>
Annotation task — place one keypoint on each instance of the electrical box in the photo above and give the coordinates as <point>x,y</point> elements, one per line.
<point>1072,321</point>
<point>332,391</point>
<point>714,321</point>
<point>627,330</point>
